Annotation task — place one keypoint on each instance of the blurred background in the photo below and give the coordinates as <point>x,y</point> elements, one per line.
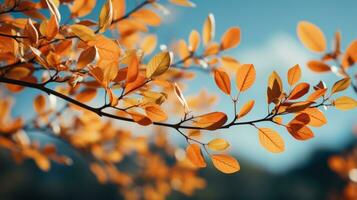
<point>268,41</point>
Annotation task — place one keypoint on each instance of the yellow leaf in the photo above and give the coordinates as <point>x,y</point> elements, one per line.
<point>158,64</point>
<point>345,103</point>
<point>231,38</point>
<point>218,144</point>
<point>194,154</point>
<point>225,163</point>
<point>246,109</point>
<point>294,75</point>
<point>106,16</point>
<point>147,17</point>
<point>155,113</point>
<point>245,77</point>
<point>210,121</point>
<point>208,29</point>
<point>311,36</point>
<point>341,85</point>
<point>148,44</point>
<point>194,41</point>
<point>81,8</point>
<point>317,118</point>
<point>271,140</point>
<point>83,32</point>
<point>222,80</point>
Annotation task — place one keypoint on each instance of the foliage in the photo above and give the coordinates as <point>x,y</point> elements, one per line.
<point>81,61</point>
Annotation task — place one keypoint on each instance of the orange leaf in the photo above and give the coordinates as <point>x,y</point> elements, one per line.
<point>155,113</point>
<point>300,90</point>
<point>194,41</point>
<point>81,8</point>
<point>246,108</point>
<point>210,121</point>
<point>231,38</point>
<point>147,17</point>
<point>140,118</point>
<point>87,56</point>
<point>31,32</point>
<point>311,36</point>
<point>350,57</point>
<point>133,69</point>
<point>105,16</point>
<point>86,95</point>
<point>181,98</point>
<point>317,94</point>
<point>317,118</point>
<point>148,44</point>
<point>222,80</point>
<point>245,77</point>
<point>300,131</point>
<point>39,104</point>
<point>341,85</point>
<point>318,66</point>
<point>208,29</point>
<point>294,75</point>
<point>225,163</point>
<point>271,140</point>
<point>194,154</point>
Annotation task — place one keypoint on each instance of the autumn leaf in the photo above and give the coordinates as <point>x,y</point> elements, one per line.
<point>311,36</point>
<point>271,140</point>
<point>185,3</point>
<point>245,77</point>
<point>341,85</point>
<point>155,113</point>
<point>181,98</point>
<point>194,41</point>
<point>300,90</point>
<point>247,107</point>
<point>222,80</point>
<point>133,69</point>
<point>81,8</point>
<point>218,144</point>
<point>105,16</point>
<point>31,32</point>
<point>350,56</point>
<point>345,103</point>
<point>39,104</point>
<point>83,32</point>
<point>300,131</point>
<point>148,44</point>
<point>317,118</point>
<point>158,64</point>
<point>318,66</point>
<point>208,29</point>
<point>210,121</point>
<point>294,75</point>
<point>86,95</point>
<point>225,163</point>
<point>230,38</point>
<point>87,56</point>
<point>194,154</point>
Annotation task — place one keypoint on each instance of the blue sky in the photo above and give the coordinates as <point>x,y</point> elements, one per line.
<point>268,41</point>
